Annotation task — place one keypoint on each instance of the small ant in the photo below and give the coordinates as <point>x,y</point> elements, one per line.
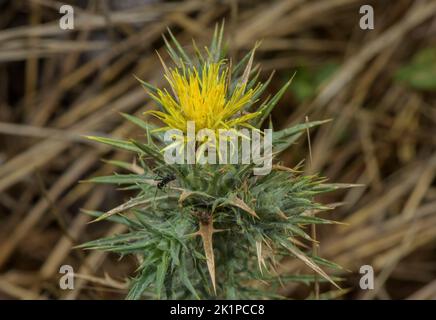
<point>163,181</point>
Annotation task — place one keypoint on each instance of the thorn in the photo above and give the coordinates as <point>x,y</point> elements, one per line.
<point>206,231</point>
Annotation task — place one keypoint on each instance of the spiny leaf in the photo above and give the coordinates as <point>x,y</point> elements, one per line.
<point>149,150</point>
<point>247,70</point>
<point>296,129</point>
<point>117,143</point>
<point>118,219</point>
<point>326,263</point>
<point>267,108</point>
<point>216,43</point>
<point>120,179</point>
<point>129,205</point>
<point>238,68</point>
<point>311,220</point>
<point>144,125</point>
<point>160,274</point>
<point>300,255</point>
<point>185,279</point>
<point>237,202</point>
<point>188,193</point>
<point>133,167</point>
<point>284,138</point>
<point>179,48</point>
<point>147,86</point>
<point>260,259</point>
<point>206,231</point>
<point>174,56</point>
<point>140,284</point>
<point>262,89</point>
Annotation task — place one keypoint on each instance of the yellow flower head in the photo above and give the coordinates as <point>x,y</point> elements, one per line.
<point>204,97</point>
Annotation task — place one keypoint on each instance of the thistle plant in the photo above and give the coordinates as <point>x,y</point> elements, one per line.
<point>206,231</point>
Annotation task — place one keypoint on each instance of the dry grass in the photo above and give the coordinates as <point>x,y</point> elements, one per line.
<point>56,86</point>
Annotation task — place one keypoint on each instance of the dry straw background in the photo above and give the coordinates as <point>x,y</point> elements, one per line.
<point>56,86</point>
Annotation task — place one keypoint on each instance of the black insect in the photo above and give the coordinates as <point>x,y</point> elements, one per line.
<point>163,181</point>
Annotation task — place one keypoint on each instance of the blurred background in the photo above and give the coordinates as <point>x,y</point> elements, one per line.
<point>378,87</point>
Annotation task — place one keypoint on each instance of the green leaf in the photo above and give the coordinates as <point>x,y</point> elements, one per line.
<point>118,219</point>
<point>306,259</point>
<point>298,231</point>
<point>147,86</point>
<point>117,143</point>
<point>216,43</point>
<point>326,263</point>
<point>240,66</point>
<point>185,279</point>
<point>268,107</point>
<point>179,48</point>
<point>144,125</point>
<point>160,275</point>
<point>119,179</point>
<point>173,54</point>
<point>140,284</point>
<point>263,87</point>
<point>118,243</point>
<point>132,203</point>
<point>284,138</point>
<point>150,151</point>
<point>300,219</point>
<point>120,164</point>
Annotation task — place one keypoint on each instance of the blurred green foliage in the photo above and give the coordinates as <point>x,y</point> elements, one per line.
<point>308,79</point>
<point>420,72</point>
